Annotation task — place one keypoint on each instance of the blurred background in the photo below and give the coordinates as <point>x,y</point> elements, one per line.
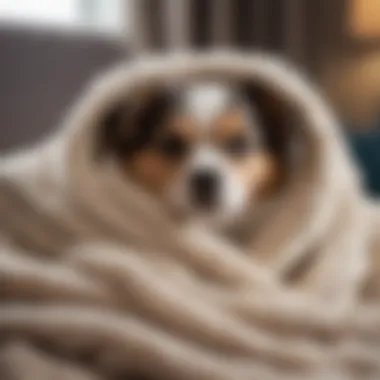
<point>50,49</point>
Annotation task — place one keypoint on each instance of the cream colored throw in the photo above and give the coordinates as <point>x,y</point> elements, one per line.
<point>96,282</point>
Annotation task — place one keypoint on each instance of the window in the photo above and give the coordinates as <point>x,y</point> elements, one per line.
<point>100,15</point>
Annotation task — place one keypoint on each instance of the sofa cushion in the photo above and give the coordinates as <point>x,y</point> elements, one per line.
<point>41,73</point>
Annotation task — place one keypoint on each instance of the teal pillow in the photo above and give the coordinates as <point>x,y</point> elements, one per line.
<point>366,149</point>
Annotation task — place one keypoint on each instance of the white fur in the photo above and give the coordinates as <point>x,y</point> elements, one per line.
<point>206,101</point>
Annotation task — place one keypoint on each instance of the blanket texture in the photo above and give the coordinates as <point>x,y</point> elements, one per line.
<point>97,282</point>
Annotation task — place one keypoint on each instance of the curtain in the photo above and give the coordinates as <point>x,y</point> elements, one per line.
<point>292,28</point>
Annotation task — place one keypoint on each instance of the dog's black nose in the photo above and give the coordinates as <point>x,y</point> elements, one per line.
<point>204,186</point>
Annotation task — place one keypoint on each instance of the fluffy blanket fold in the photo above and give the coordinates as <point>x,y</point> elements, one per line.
<point>96,282</point>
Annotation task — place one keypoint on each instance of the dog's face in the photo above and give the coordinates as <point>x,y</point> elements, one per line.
<point>202,149</point>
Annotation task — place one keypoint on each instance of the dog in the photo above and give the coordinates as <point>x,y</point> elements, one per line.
<point>209,150</point>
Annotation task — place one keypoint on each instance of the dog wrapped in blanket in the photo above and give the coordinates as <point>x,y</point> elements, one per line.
<point>100,279</point>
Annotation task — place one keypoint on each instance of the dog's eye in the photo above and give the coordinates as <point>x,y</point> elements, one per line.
<point>173,146</point>
<point>238,146</point>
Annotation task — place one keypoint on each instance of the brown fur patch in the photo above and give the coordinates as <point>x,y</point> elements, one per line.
<point>150,167</point>
<point>152,170</point>
<point>230,124</point>
<point>260,172</point>
<point>183,126</point>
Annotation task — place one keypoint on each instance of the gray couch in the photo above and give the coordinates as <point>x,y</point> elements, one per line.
<point>41,73</point>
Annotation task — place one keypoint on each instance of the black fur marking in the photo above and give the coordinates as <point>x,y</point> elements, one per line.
<point>147,121</point>
<point>174,147</point>
<point>275,117</point>
<point>125,130</point>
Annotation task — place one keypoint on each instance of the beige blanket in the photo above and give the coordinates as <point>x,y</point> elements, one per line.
<point>96,282</point>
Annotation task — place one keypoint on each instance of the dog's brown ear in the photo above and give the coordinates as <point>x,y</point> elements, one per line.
<point>274,114</point>
<point>129,126</point>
